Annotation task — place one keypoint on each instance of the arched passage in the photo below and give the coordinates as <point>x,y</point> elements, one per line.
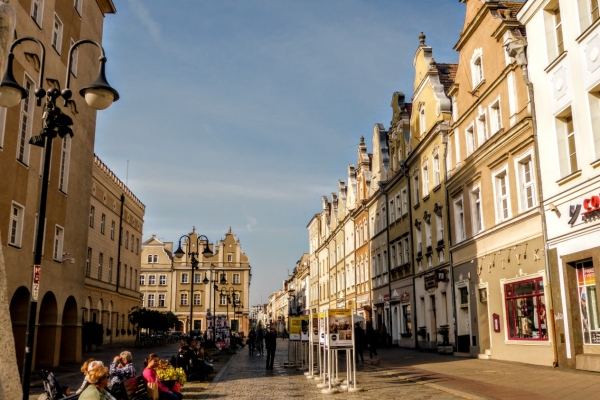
<point>19,309</point>
<point>46,348</point>
<point>70,337</point>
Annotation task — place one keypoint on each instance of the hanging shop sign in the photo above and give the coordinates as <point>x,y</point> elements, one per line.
<point>304,328</point>
<point>405,298</point>
<point>430,281</point>
<point>340,329</point>
<point>294,328</point>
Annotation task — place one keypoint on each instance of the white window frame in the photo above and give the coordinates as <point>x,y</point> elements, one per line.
<point>495,116</point>
<point>26,120</point>
<point>230,257</point>
<point>74,59</point>
<point>404,193</point>
<point>236,278</point>
<point>65,156</point>
<point>392,217</point>
<point>425,174</point>
<point>499,197</point>
<point>422,121</point>
<point>439,225</point>
<point>152,280</point>
<point>568,161</point>
<point>197,299</point>
<point>185,277</point>
<point>92,216</point>
<point>151,300</point>
<point>162,280</point>
<point>142,280</point>
<point>162,300</point>
<point>15,228</point>
<point>416,184</point>
<point>37,14</point>
<point>436,170</point>
<point>476,209</point>
<point>526,159</point>
<point>477,74</point>
<point>482,129</point>
<point>470,144</point>
<point>57,33</point>
<point>59,237</point>
<point>78,5</point>
<point>223,300</point>
<point>183,299</point>
<point>459,219</point>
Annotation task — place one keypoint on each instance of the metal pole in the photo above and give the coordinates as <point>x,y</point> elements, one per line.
<point>37,266</point>
<point>192,300</point>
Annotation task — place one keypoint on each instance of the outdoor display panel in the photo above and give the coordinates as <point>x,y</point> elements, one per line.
<point>339,329</point>
<point>294,328</point>
<point>322,328</point>
<point>304,328</point>
<point>314,328</point>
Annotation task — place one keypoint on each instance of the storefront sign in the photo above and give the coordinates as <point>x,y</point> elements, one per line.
<point>430,281</point>
<point>405,298</point>
<point>386,297</point>
<point>591,204</point>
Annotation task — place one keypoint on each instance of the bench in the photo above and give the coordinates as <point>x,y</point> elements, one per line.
<point>136,388</point>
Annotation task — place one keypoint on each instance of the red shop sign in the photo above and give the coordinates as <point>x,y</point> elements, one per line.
<point>592,204</point>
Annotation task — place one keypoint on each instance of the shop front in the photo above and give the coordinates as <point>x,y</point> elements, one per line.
<point>381,312</point>
<point>433,308</point>
<point>401,309</point>
<point>471,307</point>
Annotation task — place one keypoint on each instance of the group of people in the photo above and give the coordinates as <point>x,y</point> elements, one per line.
<point>255,342</point>
<point>366,339</point>
<point>105,383</point>
<point>192,358</point>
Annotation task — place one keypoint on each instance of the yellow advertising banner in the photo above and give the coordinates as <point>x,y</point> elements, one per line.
<point>295,328</point>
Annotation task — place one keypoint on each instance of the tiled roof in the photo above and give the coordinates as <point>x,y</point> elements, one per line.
<point>513,6</point>
<point>447,74</point>
<point>408,108</point>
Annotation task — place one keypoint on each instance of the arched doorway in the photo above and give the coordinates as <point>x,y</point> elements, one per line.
<point>110,321</point>
<point>70,336</point>
<point>85,315</point>
<point>47,346</point>
<point>19,309</point>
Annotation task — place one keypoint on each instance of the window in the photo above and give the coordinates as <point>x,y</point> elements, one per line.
<point>149,258</point>
<point>419,240</point>
<point>131,245</point>
<point>161,300</point>
<point>92,213</point>
<point>502,196</point>
<point>428,233</point>
<point>74,59</point>
<point>229,257</point>
<point>37,10</point>
<point>100,262</point>
<point>58,243</point>
<point>470,139</point>
<point>162,280</point>
<point>185,278</point>
<point>404,201</point>
<point>110,269</point>
<point>197,278</point>
<point>425,180</point>
<point>406,319</point>
<point>25,123</point>
<point>126,239</point>
<point>151,300</point>
<point>236,278</point>
<point>588,306</point>
<point>436,170</point>
<point>422,121</point>
<point>223,300</point>
<point>78,5</point>
<point>417,195</point>
<point>88,262</point>
<point>406,250</point>
<point>477,212</point>
<point>560,45</point>
<point>566,145</point>
<point>495,117</point>
<point>392,212</point>
<point>526,310</point>
<point>459,219</point>
<point>594,10</point>
<point>57,31</point>
<point>481,129</point>
<point>152,280</point>
<point>64,164</point>
<point>16,225</point>
<point>142,280</point>
<point>137,245</point>
<point>527,196</point>
<point>155,258</point>
<point>477,71</point>
<point>439,224</point>
<point>125,276</point>
<point>112,230</point>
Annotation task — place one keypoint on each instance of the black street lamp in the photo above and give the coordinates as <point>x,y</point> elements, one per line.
<point>222,281</point>
<point>179,253</point>
<point>230,293</point>
<point>99,95</point>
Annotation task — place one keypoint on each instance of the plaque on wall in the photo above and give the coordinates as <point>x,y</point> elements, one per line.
<point>430,281</point>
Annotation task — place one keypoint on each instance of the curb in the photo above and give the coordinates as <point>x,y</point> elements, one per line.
<point>456,392</point>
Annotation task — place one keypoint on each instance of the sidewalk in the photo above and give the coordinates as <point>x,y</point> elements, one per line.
<point>489,379</point>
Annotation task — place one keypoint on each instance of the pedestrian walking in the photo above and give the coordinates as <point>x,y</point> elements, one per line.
<point>251,341</point>
<point>372,342</point>
<point>271,345</point>
<point>359,342</point>
<point>260,336</point>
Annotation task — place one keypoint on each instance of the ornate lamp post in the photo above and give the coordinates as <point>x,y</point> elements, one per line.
<point>179,253</point>
<point>222,281</point>
<point>99,95</point>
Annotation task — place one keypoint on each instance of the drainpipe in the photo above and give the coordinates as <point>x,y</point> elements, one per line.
<point>406,174</point>
<point>119,245</point>
<point>516,49</point>
<point>389,257</point>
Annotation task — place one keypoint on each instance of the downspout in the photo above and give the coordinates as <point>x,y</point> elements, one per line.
<point>119,246</point>
<point>516,49</point>
<point>389,257</point>
<point>410,235</point>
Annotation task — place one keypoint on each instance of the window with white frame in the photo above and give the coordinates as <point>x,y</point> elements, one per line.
<point>477,67</point>
<point>398,203</point>
<point>112,230</point>
<point>102,223</point>
<point>183,299</point>
<point>151,300</point>
<point>425,179</point>
<point>502,195</point>
<point>406,250</point>
<point>416,187</point>
<point>88,262</point>
<point>428,233</point>
<point>439,224</point>
<point>151,280</point>
<point>149,258</point>
<point>457,147</point>
<point>482,129</point>
<point>92,214</point>
<point>26,122</point>
<point>17,214</point>
<point>566,145</point>
<point>197,278</point>
<point>477,212</point>
<point>162,300</point>
<point>59,233</point>
<point>470,140</point>
<point>162,280</point>
<point>230,257</point>
<point>142,280</point>
<point>459,218</point>
<point>419,239</point>
<point>422,121</point>
<point>526,183</point>
<point>197,299</point>
<point>185,278</point>
<point>100,265</point>
<point>126,239</point>
<point>560,45</point>
<point>436,170</point>
<point>65,151</point>
<point>454,109</point>
<point>400,253</point>
<point>594,10</point>
<point>37,11</point>
<point>57,32</point>
<point>155,258</point>
<point>78,5</point>
<point>236,279</point>
<point>404,194</point>
<point>393,254</point>
<point>392,212</point>
<point>526,317</point>
<point>223,300</point>
<point>495,117</point>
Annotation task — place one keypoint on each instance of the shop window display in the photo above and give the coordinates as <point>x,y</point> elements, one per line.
<point>526,310</point>
<point>588,303</point>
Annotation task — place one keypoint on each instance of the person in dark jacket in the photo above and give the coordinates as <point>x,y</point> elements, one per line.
<point>251,341</point>
<point>271,345</point>
<point>359,342</point>
<point>372,341</point>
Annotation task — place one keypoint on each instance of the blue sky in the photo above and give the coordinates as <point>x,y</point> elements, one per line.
<point>243,114</point>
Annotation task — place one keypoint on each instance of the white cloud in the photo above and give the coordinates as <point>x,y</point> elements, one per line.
<point>250,223</point>
<point>144,15</point>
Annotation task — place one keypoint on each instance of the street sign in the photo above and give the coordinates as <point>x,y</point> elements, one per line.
<point>35,287</point>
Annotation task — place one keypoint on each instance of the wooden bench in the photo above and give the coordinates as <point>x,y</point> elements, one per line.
<point>136,388</point>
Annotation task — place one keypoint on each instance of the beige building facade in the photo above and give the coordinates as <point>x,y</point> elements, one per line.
<point>61,292</point>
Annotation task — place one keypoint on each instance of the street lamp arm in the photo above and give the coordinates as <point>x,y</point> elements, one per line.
<point>8,78</point>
